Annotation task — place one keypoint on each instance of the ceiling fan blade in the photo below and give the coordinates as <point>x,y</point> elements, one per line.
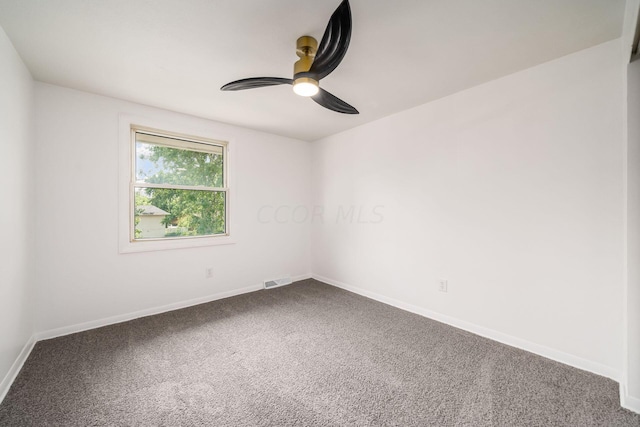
<point>334,43</point>
<point>256,82</point>
<point>334,103</point>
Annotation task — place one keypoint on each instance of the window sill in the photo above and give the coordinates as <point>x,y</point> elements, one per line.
<point>169,244</point>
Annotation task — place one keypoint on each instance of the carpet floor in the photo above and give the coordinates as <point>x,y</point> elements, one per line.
<point>306,354</point>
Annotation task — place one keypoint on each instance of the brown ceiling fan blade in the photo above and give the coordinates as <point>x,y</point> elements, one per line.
<point>334,103</point>
<point>334,43</point>
<point>256,82</point>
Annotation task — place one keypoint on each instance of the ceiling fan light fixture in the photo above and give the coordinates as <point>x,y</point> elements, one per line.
<point>305,86</point>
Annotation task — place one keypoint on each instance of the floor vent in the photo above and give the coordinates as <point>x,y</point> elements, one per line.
<point>268,284</point>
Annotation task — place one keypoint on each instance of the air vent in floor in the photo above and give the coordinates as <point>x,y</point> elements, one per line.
<point>268,284</point>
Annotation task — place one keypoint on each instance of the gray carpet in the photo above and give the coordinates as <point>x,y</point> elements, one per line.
<point>307,354</point>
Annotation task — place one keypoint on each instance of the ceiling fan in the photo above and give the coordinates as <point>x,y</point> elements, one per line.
<point>315,63</point>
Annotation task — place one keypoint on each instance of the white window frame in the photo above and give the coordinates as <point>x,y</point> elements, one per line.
<point>128,126</point>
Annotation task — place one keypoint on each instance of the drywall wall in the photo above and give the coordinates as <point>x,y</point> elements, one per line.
<point>82,277</point>
<point>633,235</point>
<point>17,212</point>
<point>511,191</point>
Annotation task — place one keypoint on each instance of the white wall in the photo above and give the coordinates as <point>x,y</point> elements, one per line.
<point>16,206</point>
<point>512,191</point>
<point>82,277</point>
<point>633,236</point>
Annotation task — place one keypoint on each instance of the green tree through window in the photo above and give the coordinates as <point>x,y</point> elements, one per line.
<point>179,184</point>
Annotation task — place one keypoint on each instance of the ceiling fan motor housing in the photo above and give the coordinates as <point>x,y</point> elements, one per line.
<point>306,47</point>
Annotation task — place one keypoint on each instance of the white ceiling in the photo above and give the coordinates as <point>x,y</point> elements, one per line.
<point>175,54</point>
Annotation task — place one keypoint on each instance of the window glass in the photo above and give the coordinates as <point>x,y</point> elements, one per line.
<point>193,165</point>
<point>178,189</point>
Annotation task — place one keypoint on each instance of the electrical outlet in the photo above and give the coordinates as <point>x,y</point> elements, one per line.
<point>208,273</point>
<point>443,286</point>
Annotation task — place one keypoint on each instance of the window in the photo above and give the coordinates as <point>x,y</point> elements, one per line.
<point>178,187</point>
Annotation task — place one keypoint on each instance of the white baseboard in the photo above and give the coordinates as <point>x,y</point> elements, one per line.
<point>93,324</point>
<point>302,277</point>
<point>541,350</point>
<point>8,379</point>
<point>628,402</point>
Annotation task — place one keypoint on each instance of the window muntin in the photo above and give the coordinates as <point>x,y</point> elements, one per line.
<point>179,186</point>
